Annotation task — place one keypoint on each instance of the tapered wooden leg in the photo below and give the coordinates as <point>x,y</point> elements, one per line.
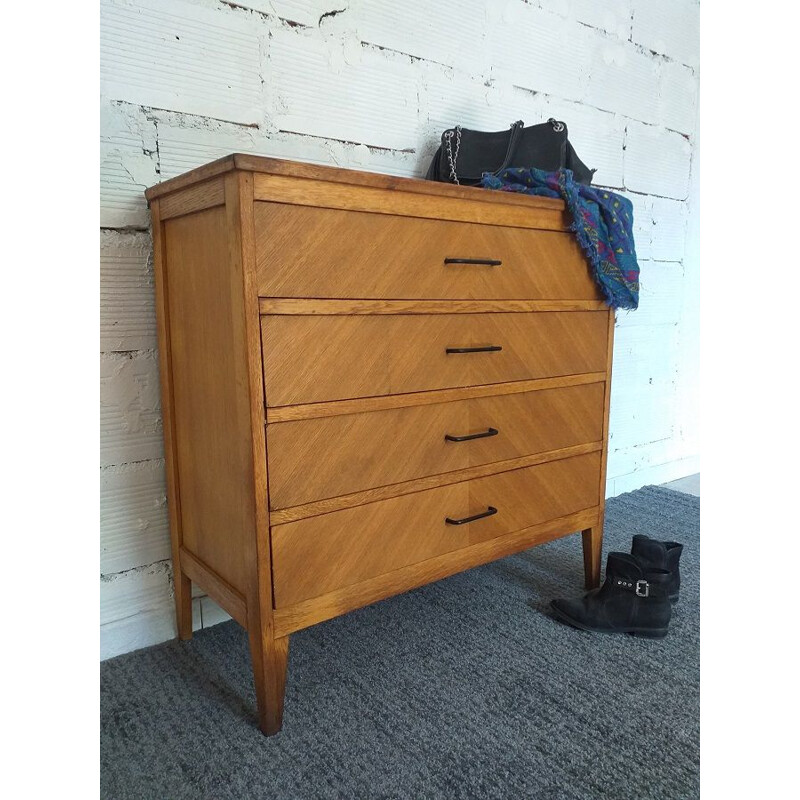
<point>270,659</point>
<point>592,553</point>
<point>183,602</point>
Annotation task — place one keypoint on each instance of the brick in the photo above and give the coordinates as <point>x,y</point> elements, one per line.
<point>643,398</point>
<point>182,148</point>
<point>642,226</point>
<point>186,144</point>
<point>657,161</point>
<point>669,219</point>
<point>536,50</point>
<point>306,12</point>
<point>137,610</point>
<point>659,227</point>
<point>136,631</point>
<point>623,80</point>
<point>128,165</point>
<point>135,591</point>
<point>390,162</point>
<point>612,16</point>
<point>638,459</point>
<point>130,409</point>
<point>660,296</point>
<point>597,136</point>
<point>182,57</point>
<point>134,524</point>
<point>438,32</point>
<point>677,97</point>
<point>671,29</point>
<point>127,298</point>
<point>369,99</point>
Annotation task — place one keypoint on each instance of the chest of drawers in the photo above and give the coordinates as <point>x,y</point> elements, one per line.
<point>368,383</point>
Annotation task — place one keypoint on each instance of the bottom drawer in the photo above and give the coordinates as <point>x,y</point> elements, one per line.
<point>320,554</point>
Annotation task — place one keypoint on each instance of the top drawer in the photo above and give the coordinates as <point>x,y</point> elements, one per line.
<point>303,251</point>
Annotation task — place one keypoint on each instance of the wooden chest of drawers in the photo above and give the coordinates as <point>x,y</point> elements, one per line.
<point>368,383</point>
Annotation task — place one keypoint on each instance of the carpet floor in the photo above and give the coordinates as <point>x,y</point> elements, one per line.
<point>466,688</point>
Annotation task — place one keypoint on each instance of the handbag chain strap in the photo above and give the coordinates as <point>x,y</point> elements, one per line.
<point>516,127</point>
<point>448,137</point>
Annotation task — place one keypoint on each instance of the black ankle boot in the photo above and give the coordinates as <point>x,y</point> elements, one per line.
<point>653,554</point>
<point>632,600</point>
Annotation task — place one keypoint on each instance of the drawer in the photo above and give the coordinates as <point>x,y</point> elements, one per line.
<point>309,359</point>
<point>314,459</point>
<point>320,554</point>
<point>321,252</point>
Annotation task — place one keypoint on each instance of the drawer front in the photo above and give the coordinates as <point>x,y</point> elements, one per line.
<point>314,459</point>
<point>309,359</point>
<point>320,554</point>
<point>321,252</point>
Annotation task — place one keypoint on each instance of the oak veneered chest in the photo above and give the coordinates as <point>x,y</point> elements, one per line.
<point>368,383</point>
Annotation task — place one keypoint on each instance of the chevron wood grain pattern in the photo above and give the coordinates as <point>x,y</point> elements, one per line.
<point>332,504</point>
<point>304,315</point>
<point>319,458</point>
<point>308,252</point>
<point>322,554</point>
<point>332,604</point>
<point>314,359</point>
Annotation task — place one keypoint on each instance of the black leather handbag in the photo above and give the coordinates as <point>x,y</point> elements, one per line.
<point>465,155</point>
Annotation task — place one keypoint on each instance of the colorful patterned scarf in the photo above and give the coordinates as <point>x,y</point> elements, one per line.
<point>601,220</point>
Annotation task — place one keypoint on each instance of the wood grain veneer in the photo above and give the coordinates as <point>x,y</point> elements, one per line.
<point>321,554</point>
<point>303,315</point>
<point>384,447</point>
<point>314,359</point>
<point>308,252</point>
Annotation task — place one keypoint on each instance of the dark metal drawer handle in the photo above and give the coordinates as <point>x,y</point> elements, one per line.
<point>482,435</point>
<point>488,513</point>
<point>492,348</point>
<point>489,262</point>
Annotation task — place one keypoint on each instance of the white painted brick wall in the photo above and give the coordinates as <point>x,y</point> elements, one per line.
<point>127,300</point>
<point>166,54</point>
<point>133,516</point>
<point>534,49</point>
<point>625,80</point>
<point>370,84</point>
<point>669,28</point>
<point>657,161</point>
<point>367,96</point>
<point>130,408</point>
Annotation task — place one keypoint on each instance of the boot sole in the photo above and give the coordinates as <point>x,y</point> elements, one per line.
<point>646,633</point>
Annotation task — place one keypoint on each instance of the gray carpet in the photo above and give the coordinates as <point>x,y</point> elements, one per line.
<point>462,689</point>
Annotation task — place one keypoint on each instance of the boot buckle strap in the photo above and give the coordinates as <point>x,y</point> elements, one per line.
<point>640,587</point>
